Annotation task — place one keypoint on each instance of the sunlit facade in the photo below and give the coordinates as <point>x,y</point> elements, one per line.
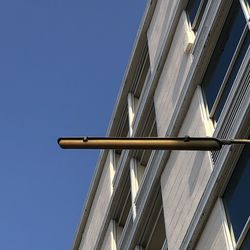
<point>189,74</point>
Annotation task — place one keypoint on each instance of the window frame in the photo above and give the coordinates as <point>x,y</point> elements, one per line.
<point>215,105</point>
<point>243,234</point>
<point>228,73</point>
<point>198,16</point>
<point>246,228</point>
<point>246,10</point>
<point>153,222</point>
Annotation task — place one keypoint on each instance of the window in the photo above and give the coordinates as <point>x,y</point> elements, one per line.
<point>195,10</point>
<point>122,209</point>
<point>148,130</point>
<point>153,235</point>
<point>122,131</point>
<point>226,60</point>
<point>141,158</point>
<point>117,155</point>
<point>123,127</point>
<point>141,74</point>
<point>139,83</point>
<point>237,202</point>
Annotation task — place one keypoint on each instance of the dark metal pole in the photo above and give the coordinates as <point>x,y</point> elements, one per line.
<point>180,143</point>
<point>174,143</point>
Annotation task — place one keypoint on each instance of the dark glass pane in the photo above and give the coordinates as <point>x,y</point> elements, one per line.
<point>159,235</point>
<point>246,243</point>
<point>237,196</point>
<point>232,76</point>
<point>192,7</point>
<point>195,10</point>
<point>198,20</point>
<point>223,53</point>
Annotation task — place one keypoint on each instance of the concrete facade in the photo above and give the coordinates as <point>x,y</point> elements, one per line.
<point>177,199</point>
<point>99,206</point>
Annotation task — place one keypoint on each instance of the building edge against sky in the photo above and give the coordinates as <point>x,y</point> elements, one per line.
<point>188,74</point>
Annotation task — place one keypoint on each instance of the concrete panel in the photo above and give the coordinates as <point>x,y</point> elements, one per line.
<point>99,206</point>
<point>173,75</point>
<point>158,28</point>
<point>215,234</point>
<point>109,240</point>
<point>185,176</point>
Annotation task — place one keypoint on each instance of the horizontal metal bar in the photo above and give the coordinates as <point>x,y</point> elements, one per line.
<point>143,143</point>
<point>234,141</point>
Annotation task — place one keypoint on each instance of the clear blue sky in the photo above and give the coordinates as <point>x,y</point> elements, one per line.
<point>61,65</point>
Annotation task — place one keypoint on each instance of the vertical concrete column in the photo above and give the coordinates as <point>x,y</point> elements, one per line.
<point>135,175</point>
<point>116,234</point>
<point>136,172</point>
<point>112,169</point>
<point>134,184</point>
<point>131,112</point>
<point>109,242</point>
<point>99,207</point>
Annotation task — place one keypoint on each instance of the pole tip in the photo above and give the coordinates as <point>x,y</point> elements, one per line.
<point>59,140</point>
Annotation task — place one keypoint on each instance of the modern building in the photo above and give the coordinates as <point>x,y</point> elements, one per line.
<point>189,74</point>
